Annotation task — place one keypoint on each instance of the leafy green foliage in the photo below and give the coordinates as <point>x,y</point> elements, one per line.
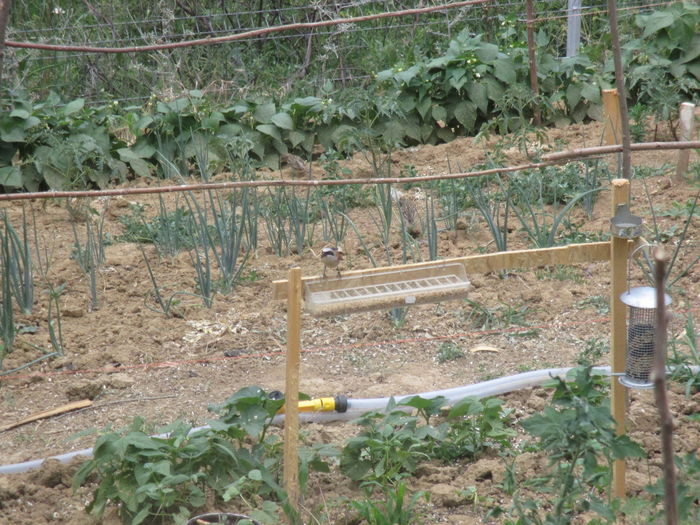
<point>578,436</point>
<point>666,70</point>
<point>474,427</point>
<point>169,231</point>
<point>392,444</point>
<point>59,145</point>
<point>162,478</point>
<point>681,361</point>
<point>449,351</point>
<point>688,491</point>
<point>480,82</point>
<point>391,509</point>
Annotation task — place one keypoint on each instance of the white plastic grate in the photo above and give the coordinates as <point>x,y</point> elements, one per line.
<point>386,289</point>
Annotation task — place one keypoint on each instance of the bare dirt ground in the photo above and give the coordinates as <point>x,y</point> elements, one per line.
<point>131,361</point>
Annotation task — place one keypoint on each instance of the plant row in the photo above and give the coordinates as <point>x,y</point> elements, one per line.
<point>473,86</point>
<point>222,231</point>
<point>236,462</point>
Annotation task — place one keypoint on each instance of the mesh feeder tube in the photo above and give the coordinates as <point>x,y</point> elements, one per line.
<point>641,331</point>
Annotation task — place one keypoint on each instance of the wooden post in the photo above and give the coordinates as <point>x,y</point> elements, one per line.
<point>5,6</point>
<point>686,116</point>
<point>531,48</point>
<point>291,391</point>
<point>625,136</point>
<point>619,252</point>
<point>611,112</point>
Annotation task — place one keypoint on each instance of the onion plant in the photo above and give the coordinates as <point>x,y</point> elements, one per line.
<point>90,255</point>
<point>288,220</point>
<point>647,264</point>
<point>218,231</point>
<point>494,206</point>
<point>18,259</point>
<point>7,322</point>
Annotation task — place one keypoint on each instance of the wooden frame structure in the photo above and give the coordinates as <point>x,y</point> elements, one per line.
<point>616,251</point>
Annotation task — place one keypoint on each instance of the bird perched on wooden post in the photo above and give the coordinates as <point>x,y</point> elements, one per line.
<point>297,166</point>
<point>331,257</point>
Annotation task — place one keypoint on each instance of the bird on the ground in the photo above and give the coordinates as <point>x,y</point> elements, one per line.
<point>297,166</point>
<point>331,257</point>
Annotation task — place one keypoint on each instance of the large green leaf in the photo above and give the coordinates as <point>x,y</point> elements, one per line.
<point>573,95</point>
<point>439,114</point>
<point>408,75</point>
<point>504,71</point>
<point>11,177</point>
<point>393,132</point>
<point>12,130</point>
<point>134,158</point>
<point>477,93</point>
<point>407,102</point>
<point>283,121</point>
<point>591,92</point>
<point>144,122</point>
<point>494,89</point>
<point>296,138</point>
<point>412,129</point>
<point>20,113</point>
<point>655,22</point>
<point>31,180</point>
<point>424,107</point>
<point>486,52</point>
<point>445,134</point>
<point>7,151</point>
<point>465,113</point>
<point>270,129</point>
<point>73,106</point>
<point>264,113</point>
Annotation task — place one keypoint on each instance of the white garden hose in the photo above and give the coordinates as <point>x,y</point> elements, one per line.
<point>357,407</point>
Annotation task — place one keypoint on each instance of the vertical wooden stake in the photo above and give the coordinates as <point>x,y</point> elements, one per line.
<point>686,116</point>
<point>611,111</point>
<point>291,391</point>
<point>618,333</point>
<point>531,48</point>
<point>625,136</point>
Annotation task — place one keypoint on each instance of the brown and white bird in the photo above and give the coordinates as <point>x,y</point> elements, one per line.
<point>297,166</point>
<point>331,257</point>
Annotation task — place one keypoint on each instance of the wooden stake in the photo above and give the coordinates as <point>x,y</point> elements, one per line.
<point>491,262</point>
<point>659,377</point>
<point>48,413</point>
<point>619,252</point>
<point>611,110</point>
<point>532,57</point>
<point>291,395</point>
<point>624,126</point>
<point>686,115</point>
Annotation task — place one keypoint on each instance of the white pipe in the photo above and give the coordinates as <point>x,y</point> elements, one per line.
<point>357,407</point>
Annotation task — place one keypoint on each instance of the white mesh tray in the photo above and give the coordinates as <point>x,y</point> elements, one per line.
<point>387,289</point>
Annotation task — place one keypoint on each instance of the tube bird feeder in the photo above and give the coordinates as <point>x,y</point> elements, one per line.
<point>641,330</point>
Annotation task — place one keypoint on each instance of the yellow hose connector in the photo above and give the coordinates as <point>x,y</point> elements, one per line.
<point>322,404</point>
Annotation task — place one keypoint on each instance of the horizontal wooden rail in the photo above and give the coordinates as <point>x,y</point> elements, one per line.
<point>571,254</point>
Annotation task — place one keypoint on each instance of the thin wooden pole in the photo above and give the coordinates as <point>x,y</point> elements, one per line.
<point>531,48</point>
<point>620,84</point>
<point>686,117</point>
<point>5,6</point>
<point>483,263</point>
<point>619,252</point>
<point>611,110</point>
<point>659,376</point>
<point>291,396</point>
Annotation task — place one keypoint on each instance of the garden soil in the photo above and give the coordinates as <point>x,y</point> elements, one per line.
<point>131,360</point>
